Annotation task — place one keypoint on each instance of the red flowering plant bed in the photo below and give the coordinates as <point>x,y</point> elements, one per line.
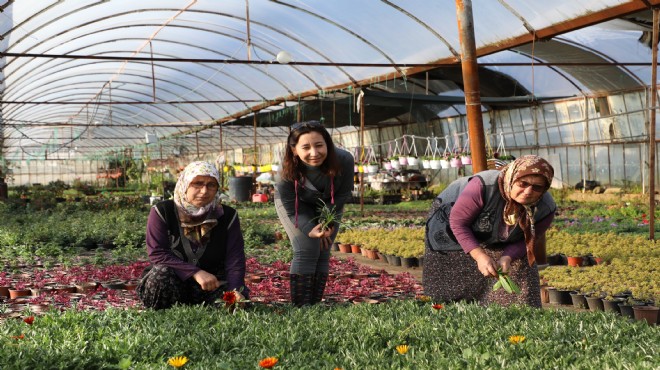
<point>348,282</point>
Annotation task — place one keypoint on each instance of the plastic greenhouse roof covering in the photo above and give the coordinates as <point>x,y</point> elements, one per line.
<point>84,78</point>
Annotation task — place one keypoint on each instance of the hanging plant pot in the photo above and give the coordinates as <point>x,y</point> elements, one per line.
<point>387,165</point>
<point>403,161</point>
<point>413,161</point>
<point>466,159</point>
<point>455,163</point>
<point>395,164</point>
<point>372,168</point>
<point>444,163</point>
<point>435,164</point>
<point>426,164</point>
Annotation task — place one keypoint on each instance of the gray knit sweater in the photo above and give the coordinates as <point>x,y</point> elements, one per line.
<point>308,199</point>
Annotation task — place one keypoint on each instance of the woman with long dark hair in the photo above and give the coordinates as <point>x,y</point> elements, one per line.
<point>314,173</point>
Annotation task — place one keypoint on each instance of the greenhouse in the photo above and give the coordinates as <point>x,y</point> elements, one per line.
<point>108,107</point>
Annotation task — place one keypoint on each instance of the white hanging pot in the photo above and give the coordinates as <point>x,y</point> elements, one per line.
<point>396,164</point>
<point>387,165</point>
<point>435,164</point>
<point>426,164</point>
<point>403,161</point>
<point>372,168</point>
<point>444,163</point>
<point>413,161</point>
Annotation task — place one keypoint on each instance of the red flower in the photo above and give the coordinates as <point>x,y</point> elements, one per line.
<point>17,337</point>
<point>268,362</point>
<point>29,320</point>
<point>230,298</point>
<point>438,306</point>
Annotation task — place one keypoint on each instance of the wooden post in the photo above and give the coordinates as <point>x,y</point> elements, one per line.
<point>654,100</point>
<point>471,84</point>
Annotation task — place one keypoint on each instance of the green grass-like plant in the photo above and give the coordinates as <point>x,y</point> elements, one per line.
<point>464,336</point>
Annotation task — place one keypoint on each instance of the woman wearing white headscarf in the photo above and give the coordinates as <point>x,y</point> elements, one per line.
<point>194,243</point>
<point>494,220</point>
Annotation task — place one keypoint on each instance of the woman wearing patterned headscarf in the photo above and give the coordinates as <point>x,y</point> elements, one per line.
<point>493,220</point>
<point>194,243</point>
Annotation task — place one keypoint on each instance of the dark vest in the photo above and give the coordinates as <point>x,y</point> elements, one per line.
<point>211,257</point>
<point>486,227</point>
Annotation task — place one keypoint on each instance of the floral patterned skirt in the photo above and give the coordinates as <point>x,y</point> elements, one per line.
<point>454,276</point>
<point>161,288</point>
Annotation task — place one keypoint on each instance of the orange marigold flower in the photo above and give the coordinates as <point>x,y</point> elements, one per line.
<point>230,298</point>
<point>402,349</point>
<point>268,362</point>
<point>438,306</point>
<point>29,320</point>
<point>424,298</point>
<point>178,361</point>
<point>515,339</point>
<point>17,337</point>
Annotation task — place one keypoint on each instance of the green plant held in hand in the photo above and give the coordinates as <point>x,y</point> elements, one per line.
<point>504,281</point>
<point>327,215</point>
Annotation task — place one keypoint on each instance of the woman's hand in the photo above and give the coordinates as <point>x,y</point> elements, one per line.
<point>325,236</point>
<point>504,263</point>
<point>207,281</point>
<point>485,264</point>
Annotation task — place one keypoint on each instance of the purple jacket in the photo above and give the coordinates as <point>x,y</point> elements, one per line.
<point>466,209</point>
<point>158,249</point>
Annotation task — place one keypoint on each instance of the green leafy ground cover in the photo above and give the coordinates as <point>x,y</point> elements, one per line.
<point>456,336</point>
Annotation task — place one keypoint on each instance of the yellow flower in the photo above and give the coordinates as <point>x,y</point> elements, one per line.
<point>424,298</point>
<point>268,362</point>
<point>402,349</point>
<point>515,339</point>
<point>177,361</point>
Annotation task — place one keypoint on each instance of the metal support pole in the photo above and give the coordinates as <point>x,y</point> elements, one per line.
<point>654,99</point>
<point>361,174</point>
<point>254,154</point>
<point>197,143</point>
<point>222,170</point>
<point>471,84</point>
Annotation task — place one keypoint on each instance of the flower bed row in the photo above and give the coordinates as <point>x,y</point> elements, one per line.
<point>268,283</point>
<point>373,254</point>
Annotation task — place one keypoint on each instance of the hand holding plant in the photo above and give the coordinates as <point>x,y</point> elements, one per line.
<point>327,219</point>
<point>327,216</point>
<point>505,282</point>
